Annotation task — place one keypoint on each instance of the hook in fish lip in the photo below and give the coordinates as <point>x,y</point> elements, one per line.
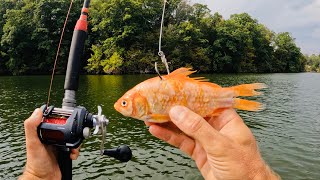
<point>157,71</point>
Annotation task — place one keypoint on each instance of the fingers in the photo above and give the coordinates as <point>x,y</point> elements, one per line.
<point>31,125</point>
<point>34,120</point>
<point>196,127</point>
<point>148,123</point>
<point>168,125</point>
<point>75,153</point>
<point>231,125</point>
<point>228,115</point>
<point>179,140</point>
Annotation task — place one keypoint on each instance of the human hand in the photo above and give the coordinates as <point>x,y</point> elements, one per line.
<point>41,158</point>
<point>222,147</point>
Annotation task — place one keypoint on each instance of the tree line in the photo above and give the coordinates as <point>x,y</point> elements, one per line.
<point>312,63</point>
<point>124,34</point>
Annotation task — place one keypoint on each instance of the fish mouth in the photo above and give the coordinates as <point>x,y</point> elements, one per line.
<point>115,106</point>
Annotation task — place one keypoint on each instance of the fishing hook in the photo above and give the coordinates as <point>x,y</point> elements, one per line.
<point>156,68</point>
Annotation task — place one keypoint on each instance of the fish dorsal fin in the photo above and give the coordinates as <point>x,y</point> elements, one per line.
<point>200,79</point>
<point>185,72</point>
<point>181,72</point>
<point>212,84</point>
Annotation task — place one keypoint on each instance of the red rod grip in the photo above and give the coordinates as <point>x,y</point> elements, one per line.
<point>82,23</point>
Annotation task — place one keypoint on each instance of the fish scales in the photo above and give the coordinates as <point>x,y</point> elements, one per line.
<point>152,99</point>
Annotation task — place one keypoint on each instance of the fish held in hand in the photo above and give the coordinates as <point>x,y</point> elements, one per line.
<point>152,99</point>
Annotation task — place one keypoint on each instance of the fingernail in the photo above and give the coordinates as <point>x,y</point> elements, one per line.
<point>178,113</point>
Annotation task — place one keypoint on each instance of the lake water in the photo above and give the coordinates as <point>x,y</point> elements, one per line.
<point>288,131</point>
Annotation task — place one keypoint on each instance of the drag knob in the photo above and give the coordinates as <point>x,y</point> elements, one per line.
<point>122,153</point>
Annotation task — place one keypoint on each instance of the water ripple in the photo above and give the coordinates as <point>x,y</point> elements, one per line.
<point>287,131</point>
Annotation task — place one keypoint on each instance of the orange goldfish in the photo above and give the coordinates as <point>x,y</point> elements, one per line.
<point>152,99</point>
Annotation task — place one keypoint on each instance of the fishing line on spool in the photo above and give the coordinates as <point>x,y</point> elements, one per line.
<point>160,52</point>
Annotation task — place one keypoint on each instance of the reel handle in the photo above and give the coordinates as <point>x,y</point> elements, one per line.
<point>122,153</point>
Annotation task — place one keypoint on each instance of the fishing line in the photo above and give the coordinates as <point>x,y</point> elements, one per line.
<point>160,53</point>
<point>161,27</point>
<point>58,51</point>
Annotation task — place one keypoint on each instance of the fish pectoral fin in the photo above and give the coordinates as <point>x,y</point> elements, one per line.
<point>216,112</point>
<point>158,118</point>
<point>207,118</point>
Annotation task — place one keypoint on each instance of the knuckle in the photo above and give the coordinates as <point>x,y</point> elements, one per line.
<point>167,138</point>
<point>26,123</point>
<point>187,146</point>
<point>182,144</point>
<point>173,141</point>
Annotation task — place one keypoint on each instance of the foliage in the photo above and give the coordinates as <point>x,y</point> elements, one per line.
<point>112,64</point>
<point>124,34</point>
<point>313,63</point>
<point>31,33</point>
<point>287,56</point>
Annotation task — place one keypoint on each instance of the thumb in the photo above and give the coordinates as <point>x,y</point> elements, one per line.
<point>32,123</point>
<point>196,127</point>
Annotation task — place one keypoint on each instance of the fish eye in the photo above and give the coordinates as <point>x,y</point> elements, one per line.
<point>124,103</point>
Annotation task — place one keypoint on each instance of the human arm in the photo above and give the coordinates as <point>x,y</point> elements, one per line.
<point>222,147</point>
<point>41,159</point>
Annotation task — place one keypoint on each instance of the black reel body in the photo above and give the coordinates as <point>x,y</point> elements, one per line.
<point>67,128</point>
<point>63,127</point>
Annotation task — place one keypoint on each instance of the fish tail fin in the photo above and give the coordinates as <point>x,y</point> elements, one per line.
<point>247,105</point>
<point>248,89</point>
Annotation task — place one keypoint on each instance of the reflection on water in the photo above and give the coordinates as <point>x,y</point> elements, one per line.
<point>287,131</point>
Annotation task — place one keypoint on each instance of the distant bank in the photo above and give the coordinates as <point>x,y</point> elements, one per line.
<point>123,38</point>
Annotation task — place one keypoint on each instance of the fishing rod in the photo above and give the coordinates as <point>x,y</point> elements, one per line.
<point>67,127</point>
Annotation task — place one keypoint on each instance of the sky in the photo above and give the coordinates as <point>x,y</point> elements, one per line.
<point>299,17</point>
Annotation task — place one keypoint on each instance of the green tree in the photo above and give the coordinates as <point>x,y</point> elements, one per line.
<point>187,42</point>
<point>123,38</point>
<point>5,5</point>
<point>31,35</point>
<point>312,63</point>
<point>242,45</point>
<point>287,56</point>
<point>233,45</point>
<point>114,21</point>
<point>17,40</point>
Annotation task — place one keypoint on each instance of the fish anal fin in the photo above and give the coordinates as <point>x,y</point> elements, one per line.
<point>248,89</point>
<point>247,105</point>
<point>215,113</point>
<point>158,118</point>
